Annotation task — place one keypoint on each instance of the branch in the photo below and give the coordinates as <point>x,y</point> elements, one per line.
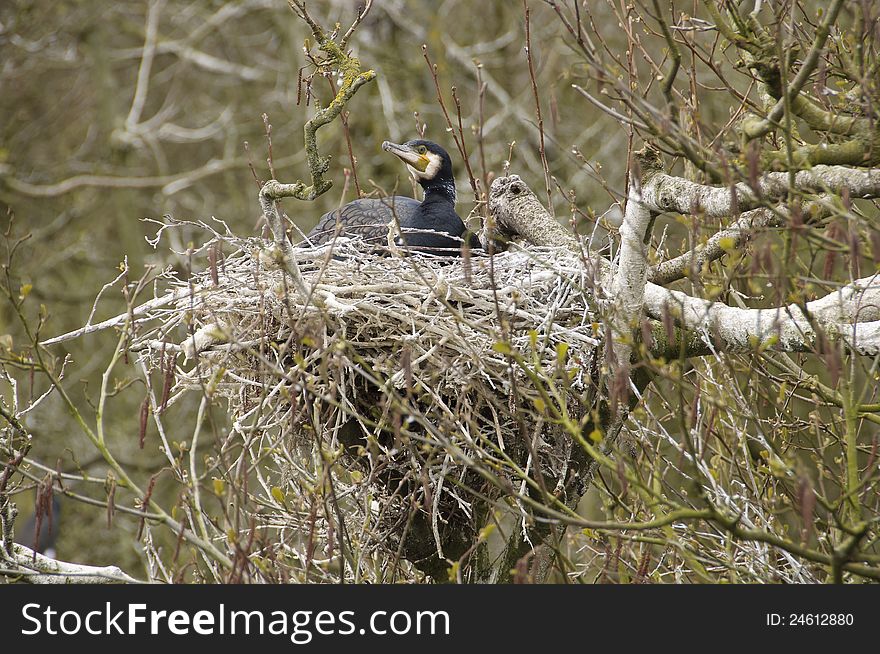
<point>674,194</point>
<point>851,314</point>
<point>826,121</point>
<point>794,88</point>
<point>859,151</point>
<point>515,212</point>
<point>675,56</point>
<point>631,276</point>
<point>116,321</point>
<point>169,183</point>
<point>627,297</point>
<point>352,79</point>
<point>362,13</point>
<point>35,568</point>
<point>726,240</point>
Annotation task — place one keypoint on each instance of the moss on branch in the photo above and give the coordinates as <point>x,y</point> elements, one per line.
<point>859,151</point>
<point>353,78</point>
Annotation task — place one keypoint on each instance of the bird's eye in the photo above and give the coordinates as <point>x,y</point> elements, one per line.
<point>422,149</point>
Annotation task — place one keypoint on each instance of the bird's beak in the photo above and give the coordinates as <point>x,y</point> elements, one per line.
<point>407,155</point>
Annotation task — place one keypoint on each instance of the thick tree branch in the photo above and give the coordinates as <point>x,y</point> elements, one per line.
<point>731,238</point>
<point>35,568</point>
<point>848,314</point>
<point>862,150</point>
<point>675,194</point>
<point>631,275</point>
<point>515,212</point>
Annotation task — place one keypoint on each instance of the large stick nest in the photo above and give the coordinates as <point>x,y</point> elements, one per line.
<point>427,378</point>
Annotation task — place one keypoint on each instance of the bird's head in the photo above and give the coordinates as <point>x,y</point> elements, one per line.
<point>426,160</point>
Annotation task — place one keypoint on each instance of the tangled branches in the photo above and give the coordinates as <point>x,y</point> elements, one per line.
<point>389,387</point>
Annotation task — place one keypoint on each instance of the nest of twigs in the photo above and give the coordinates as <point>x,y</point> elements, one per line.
<point>402,385</point>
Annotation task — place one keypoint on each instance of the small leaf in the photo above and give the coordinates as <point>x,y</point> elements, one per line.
<point>278,494</point>
<point>453,571</point>
<point>783,390</point>
<point>486,531</point>
<point>25,291</point>
<point>727,243</point>
<point>561,352</point>
<point>501,347</point>
<point>219,487</point>
<point>596,436</point>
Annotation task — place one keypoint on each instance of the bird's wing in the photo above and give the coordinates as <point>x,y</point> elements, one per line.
<point>367,218</point>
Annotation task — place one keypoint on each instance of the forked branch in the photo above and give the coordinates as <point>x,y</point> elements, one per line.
<point>353,77</point>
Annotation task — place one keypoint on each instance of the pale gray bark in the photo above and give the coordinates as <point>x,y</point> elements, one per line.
<point>675,194</point>
<point>848,314</point>
<point>38,569</point>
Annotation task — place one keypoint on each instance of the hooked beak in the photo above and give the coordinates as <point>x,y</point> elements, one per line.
<point>407,155</point>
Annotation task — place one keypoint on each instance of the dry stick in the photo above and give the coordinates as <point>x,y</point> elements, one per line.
<point>630,132</point>
<point>541,147</point>
<point>270,159</point>
<point>352,79</point>
<point>675,55</point>
<point>627,120</point>
<point>475,185</point>
<point>357,185</point>
<point>457,136</point>
<point>362,13</point>
<point>137,312</point>
<point>481,100</point>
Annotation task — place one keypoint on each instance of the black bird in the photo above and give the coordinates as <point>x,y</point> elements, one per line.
<point>431,226</point>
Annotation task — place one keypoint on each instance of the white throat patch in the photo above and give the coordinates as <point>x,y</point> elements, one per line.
<point>431,170</point>
<point>434,163</point>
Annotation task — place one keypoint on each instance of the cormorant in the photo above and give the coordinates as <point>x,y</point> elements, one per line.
<point>430,226</point>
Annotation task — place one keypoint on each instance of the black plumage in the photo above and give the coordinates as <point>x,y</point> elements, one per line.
<point>431,226</point>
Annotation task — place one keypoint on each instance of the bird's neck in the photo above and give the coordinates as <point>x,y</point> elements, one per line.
<point>442,191</point>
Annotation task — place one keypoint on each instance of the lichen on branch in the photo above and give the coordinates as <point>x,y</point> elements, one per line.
<point>353,77</point>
